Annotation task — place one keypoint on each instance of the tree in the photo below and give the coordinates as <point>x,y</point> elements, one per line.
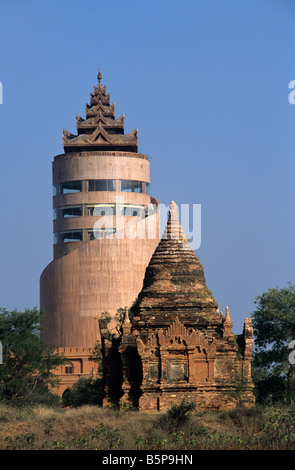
<point>86,391</point>
<point>26,373</point>
<point>116,320</point>
<point>274,330</point>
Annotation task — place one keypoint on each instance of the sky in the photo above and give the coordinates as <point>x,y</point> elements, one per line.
<point>206,82</point>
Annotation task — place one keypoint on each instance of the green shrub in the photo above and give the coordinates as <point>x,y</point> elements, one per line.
<point>279,426</point>
<point>177,415</point>
<point>86,391</point>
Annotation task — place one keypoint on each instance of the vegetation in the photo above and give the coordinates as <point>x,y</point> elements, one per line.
<point>274,330</point>
<point>177,416</point>
<point>116,320</point>
<point>94,428</point>
<point>26,372</point>
<point>86,391</point>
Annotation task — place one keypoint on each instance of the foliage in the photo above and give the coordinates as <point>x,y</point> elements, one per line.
<point>280,426</point>
<point>86,391</point>
<point>107,436</point>
<point>274,329</point>
<point>96,354</point>
<point>116,320</point>
<point>177,415</point>
<point>26,373</point>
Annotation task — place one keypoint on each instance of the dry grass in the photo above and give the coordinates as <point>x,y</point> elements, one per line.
<point>91,427</point>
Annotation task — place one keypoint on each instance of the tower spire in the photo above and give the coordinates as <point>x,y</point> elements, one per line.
<point>100,130</point>
<point>99,76</point>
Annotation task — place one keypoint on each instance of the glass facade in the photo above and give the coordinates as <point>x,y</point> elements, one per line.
<point>70,187</point>
<point>100,233</point>
<point>67,211</point>
<point>129,186</point>
<point>101,209</point>
<point>96,210</point>
<point>101,185</point>
<point>66,236</point>
<point>133,210</point>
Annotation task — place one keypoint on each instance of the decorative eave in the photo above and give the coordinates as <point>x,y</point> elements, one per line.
<point>93,122</point>
<point>175,338</point>
<point>100,137</point>
<point>99,94</point>
<point>108,111</point>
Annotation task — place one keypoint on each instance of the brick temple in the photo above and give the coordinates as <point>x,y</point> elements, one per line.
<point>175,344</point>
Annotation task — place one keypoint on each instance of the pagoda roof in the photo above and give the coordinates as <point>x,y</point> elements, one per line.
<point>100,107</point>
<point>100,137</point>
<point>93,122</point>
<point>100,129</point>
<point>99,94</point>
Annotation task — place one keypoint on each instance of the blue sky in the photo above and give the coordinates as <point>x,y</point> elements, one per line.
<point>206,84</point>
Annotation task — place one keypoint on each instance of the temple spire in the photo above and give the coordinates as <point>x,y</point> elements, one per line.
<point>173,230</point>
<point>227,316</point>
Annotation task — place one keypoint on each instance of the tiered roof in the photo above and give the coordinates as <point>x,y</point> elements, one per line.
<point>175,285</point>
<point>100,130</point>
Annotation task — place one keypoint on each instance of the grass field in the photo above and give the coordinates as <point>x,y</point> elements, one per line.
<point>91,427</point>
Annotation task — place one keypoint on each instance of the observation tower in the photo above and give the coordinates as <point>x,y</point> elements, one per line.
<point>105,230</point>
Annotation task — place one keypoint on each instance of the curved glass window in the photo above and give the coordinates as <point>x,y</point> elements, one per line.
<point>134,210</point>
<point>70,211</point>
<point>67,211</point>
<point>131,186</point>
<point>67,187</point>
<point>101,209</point>
<point>101,185</point>
<point>66,236</point>
<point>100,233</point>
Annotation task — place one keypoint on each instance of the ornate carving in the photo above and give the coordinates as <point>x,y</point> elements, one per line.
<point>177,336</point>
<point>149,346</point>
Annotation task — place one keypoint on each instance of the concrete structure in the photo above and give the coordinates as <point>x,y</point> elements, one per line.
<point>105,231</point>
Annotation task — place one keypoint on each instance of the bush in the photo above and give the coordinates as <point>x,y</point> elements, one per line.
<point>84,392</point>
<point>279,426</point>
<point>177,415</point>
